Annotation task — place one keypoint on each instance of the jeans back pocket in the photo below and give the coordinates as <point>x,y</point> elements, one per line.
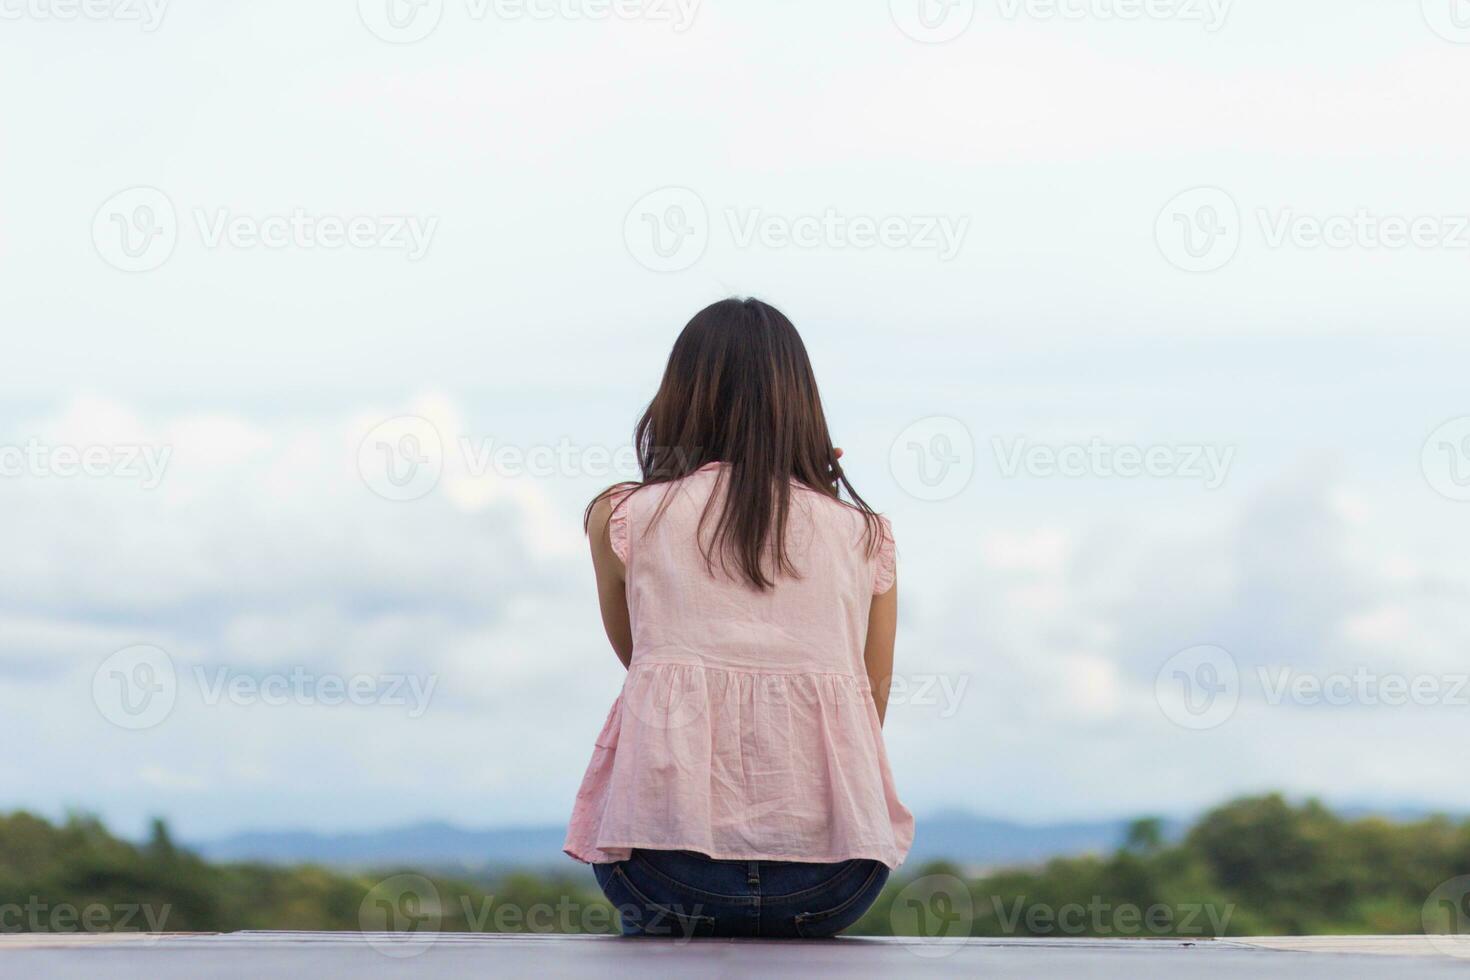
<point>643,915</point>
<point>847,907</point>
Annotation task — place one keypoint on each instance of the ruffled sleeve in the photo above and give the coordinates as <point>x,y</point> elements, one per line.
<point>886,560</point>
<point>617,523</point>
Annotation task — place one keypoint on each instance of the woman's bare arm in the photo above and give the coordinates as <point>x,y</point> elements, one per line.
<point>612,591</point>
<point>878,650</point>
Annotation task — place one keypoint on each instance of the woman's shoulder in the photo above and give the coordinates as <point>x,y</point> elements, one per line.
<point>864,535</point>
<point>607,517</point>
<point>838,509</point>
<point>871,531</point>
<point>607,501</point>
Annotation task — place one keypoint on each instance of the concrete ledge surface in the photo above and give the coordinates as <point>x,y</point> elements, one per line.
<point>324,956</point>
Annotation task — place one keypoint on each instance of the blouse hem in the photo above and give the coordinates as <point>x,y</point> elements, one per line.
<point>852,855</point>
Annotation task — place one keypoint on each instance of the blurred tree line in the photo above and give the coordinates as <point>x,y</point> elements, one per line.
<point>1250,867</point>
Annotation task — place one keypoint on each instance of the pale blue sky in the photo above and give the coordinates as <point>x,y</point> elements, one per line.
<point>529,320</point>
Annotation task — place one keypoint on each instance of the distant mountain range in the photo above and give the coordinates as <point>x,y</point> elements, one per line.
<point>422,845</point>
<point>964,838</point>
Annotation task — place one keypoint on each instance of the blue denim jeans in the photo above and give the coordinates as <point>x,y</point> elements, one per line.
<point>684,894</point>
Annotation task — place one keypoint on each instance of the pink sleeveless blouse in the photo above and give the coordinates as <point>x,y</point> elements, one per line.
<point>746,729</point>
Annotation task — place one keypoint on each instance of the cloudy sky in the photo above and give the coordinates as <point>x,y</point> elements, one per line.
<point>323,321</point>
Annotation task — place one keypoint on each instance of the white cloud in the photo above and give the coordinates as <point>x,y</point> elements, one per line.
<point>1062,646</point>
<point>264,553</point>
<point>529,321</point>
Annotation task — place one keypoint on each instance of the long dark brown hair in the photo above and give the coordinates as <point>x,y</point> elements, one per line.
<point>739,389</point>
